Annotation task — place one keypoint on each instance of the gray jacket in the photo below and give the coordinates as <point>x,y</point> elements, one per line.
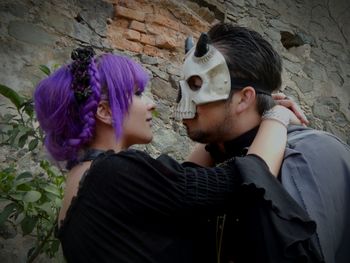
<point>316,173</point>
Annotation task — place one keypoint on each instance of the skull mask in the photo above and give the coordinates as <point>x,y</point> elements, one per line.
<point>205,62</point>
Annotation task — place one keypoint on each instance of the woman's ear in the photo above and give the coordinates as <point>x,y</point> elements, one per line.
<point>246,99</point>
<point>104,112</point>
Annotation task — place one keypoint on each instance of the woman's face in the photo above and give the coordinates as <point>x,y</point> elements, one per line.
<point>137,125</point>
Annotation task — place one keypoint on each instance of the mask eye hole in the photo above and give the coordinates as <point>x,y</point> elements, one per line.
<point>195,83</point>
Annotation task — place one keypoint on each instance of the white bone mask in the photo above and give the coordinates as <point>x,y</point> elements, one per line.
<point>216,83</point>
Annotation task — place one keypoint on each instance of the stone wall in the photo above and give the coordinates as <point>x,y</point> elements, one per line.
<point>312,37</point>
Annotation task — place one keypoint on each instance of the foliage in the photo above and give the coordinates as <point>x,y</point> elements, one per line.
<point>32,199</point>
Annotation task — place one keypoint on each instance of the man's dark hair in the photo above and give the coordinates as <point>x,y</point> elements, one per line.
<point>249,56</point>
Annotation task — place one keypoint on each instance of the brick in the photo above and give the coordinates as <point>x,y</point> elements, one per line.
<point>129,13</point>
<point>124,44</point>
<point>130,34</point>
<point>180,42</point>
<point>148,39</point>
<point>138,26</point>
<point>138,5</point>
<point>121,22</point>
<point>156,29</point>
<point>132,4</point>
<point>163,20</point>
<point>200,27</point>
<point>152,51</point>
<point>185,30</point>
<point>165,42</point>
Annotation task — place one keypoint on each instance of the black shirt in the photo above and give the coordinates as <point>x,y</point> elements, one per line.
<point>263,227</point>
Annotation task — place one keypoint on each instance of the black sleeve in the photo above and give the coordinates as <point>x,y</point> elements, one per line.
<point>142,184</point>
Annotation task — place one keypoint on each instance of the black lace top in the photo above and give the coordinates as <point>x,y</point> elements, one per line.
<point>133,208</point>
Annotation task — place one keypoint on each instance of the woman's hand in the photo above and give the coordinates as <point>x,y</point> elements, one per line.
<point>283,100</point>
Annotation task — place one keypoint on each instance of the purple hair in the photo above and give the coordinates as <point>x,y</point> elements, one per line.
<point>69,125</point>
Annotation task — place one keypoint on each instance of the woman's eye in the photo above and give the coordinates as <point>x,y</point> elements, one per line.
<point>138,93</point>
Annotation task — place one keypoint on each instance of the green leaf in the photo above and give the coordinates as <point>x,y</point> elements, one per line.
<point>28,107</point>
<point>24,187</point>
<point>45,69</point>
<point>13,136</point>
<point>155,114</point>
<point>47,208</point>
<point>54,246</point>
<point>52,189</point>
<point>51,197</point>
<point>33,144</point>
<point>6,212</point>
<point>58,202</point>
<point>28,224</point>
<point>24,175</point>
<point>32,196</point>
<point>22,140</point>
<point>21,181</point>
<point>12,95</point>
<point>17,196</point>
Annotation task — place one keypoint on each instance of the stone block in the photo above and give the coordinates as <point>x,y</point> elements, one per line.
<point>138,26</point>
<point>149,60</point>
<point>82,32</point>
<point>315,71</point>
<point>325,107</point>
<point>148,39</point>
<point>304,84</point>
<point>30,33</point>
<point>163,89</point>
<point>130,34</point>
<point>173,70</point>
<point>129,13</point>
<point>157,71</point>
<point>60,22</point>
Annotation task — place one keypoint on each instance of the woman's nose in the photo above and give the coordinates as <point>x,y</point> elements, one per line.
<point>149,103</point>
<point>151,106</point>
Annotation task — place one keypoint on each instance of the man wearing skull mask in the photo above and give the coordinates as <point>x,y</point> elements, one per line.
<point>228,81</point>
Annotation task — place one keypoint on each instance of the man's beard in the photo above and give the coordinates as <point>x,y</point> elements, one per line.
<point>216,134</point>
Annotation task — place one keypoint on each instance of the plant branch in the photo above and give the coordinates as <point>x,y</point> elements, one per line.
<point>38,249</point>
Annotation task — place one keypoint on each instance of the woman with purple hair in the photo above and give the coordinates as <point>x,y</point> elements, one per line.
<point>122,205</point>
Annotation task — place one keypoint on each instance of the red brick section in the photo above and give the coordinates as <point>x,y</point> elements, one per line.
<point>165,42</point>
<point>130,13</point>
<point>148,39</point>
<point>153,51</point>
<point>162,20</point>
<point>141,27</point>
<point>132,35</point>
<point>151,27</point>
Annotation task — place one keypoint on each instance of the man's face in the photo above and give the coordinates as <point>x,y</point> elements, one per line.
<point>213,123</point>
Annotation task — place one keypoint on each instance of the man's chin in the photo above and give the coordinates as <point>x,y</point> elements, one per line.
<point>197,136</point>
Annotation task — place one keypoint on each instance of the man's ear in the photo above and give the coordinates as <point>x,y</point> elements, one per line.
<point>104,112</point>
<point>246,98</point>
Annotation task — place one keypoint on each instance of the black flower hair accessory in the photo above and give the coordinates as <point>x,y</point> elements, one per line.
<point>79,68</point>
